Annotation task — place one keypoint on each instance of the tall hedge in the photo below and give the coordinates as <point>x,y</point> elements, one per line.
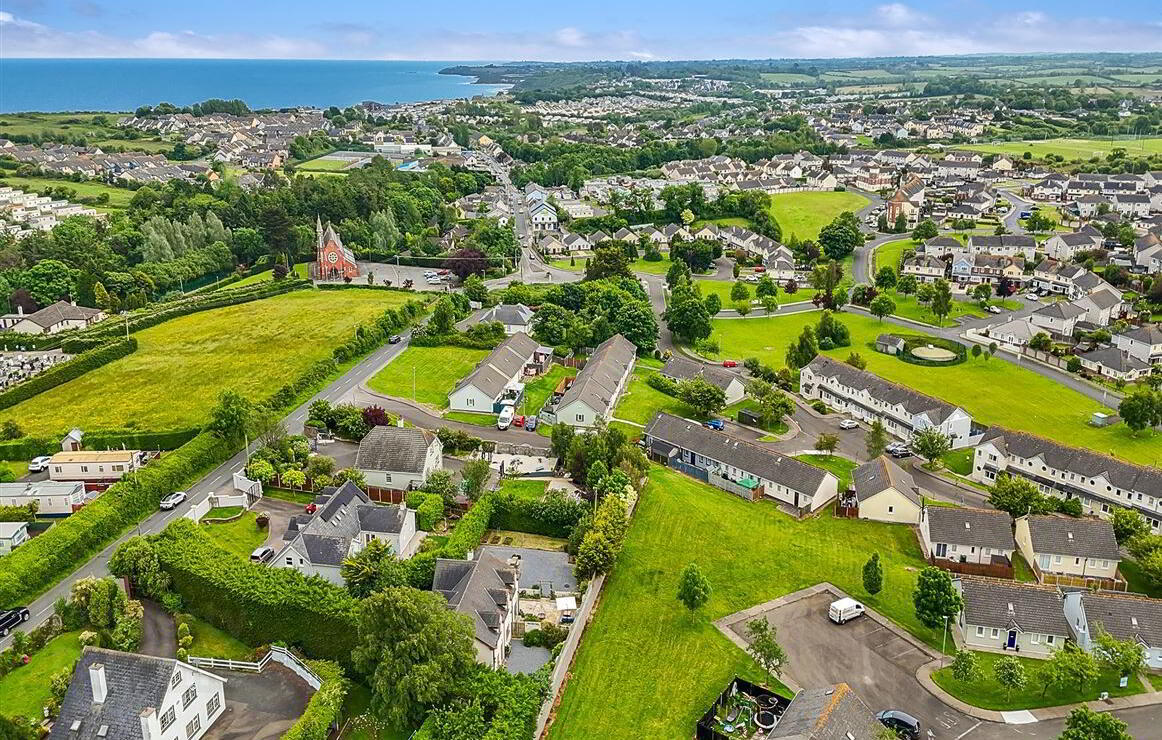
<point>554,515</point>
<point>257,603</point>
<point>470,529</point>
<point>66,371</point>
<point>430,512</point>
<point>325,705</point>
<point>44,560</point>
<point>98,439</point>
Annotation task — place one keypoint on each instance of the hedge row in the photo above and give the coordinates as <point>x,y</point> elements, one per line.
<point>554,515</point>
<point>66,371</point>
<point>15,339</point>
<point>470,529</point>
<point>27,448</point>
<point>44,560</point>
<point>367,337</point>
<point>325,705</point>
<point>254,602</point>
<point>25,513</point>
<point>363,286</point>
<point>430,512</point>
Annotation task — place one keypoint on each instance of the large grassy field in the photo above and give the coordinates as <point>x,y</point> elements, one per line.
<point>646,667</point>
<point>641,401</point>
<point>26,689</point>
<point>434,370</point>
<point>1071,148</point>
<point>804,214</point>
<point>118,197</point>
<point>993,391</point>
<point>174,378</point>
<point>322,164</point>
<point>103,133</point>
<point>261,277</point>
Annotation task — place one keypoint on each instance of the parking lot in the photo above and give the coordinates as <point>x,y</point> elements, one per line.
<point>879,664</point>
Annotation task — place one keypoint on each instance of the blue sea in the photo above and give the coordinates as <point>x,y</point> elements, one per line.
<point>124,84</point>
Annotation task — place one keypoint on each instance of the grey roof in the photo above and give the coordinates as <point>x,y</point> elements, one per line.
<point>834,713</point>
<point>914,402</point>
<point>478,588</point>
<point>679,368</point>
<point>1076,239</point>
<point>134,682</point>
<point>1064,535</point>
<point>1148,334</point>
<point>1125,617</point>
<point>758,461</point>
<point>942,242</point>
<point>597,383</point>
<point>1060,310</point>
<point>325,549</point>
<point>376,518</point>
<point>1114,359</point>
<point>55,313</point>
<point>879,475</point>
<point>509,314</point>
<point>1003,240</point>
<point>325,537</point>
<point>979,527</point>
<point>502,365</point>
<point>394,449</point>
<point>1079,461</point>
<point>1027,607</point>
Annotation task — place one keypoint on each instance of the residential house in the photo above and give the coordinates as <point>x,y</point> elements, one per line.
<point>1058,319</point>
<point>126,696</point>
<point>1006,245</point>
<point>56,317</point>
<point>1102,307</point>
<point>499,378</point>
<point>12,535</point>
<point>679,369</point>
<point>1004,616</point>
<point>1113,363</point>
<point>487,590</point>
<point>542,216</point>
<point>344,521</point>
<point>398,459</point>
<point>1064,247</point>
<point>1015,333</point>
<point>1143,343</point>
<point>964,535</point>
<point>551,244</point>
<point>1061,545</point>
<point>925,268</point>
<point>515,317</point>
<point>827,713</point>
<point>594,392</point>
<point>886,492</point>
<point>866,396</point>
<point>96,469</point>
<point>52,499</point>
<point>907,201</point>
<point>1122,616</point>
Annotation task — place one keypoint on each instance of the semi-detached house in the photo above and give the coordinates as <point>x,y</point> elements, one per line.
<point>592,395</point>
<point>1007,616</point>
<point>1056,545</point>
<point>1123,616</point>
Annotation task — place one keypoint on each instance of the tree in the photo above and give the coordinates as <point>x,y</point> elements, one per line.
<point>1085,724</point>
<point>770,303</point>
<point>606,262</point>
<point>475,289</point>
<point>873,575</point>
<point>925,230</point>
<point>941,300</point>
<point>773,403</point>
<point>1041,342</point>
<point>713,305</point>
<point>1140,409</point>
<point>906,284</point>
<point>415,651</point>
<point>49,281</point>
<point>440,481</point>
<point>693,588</point>
<point>739,291</point>
<point>596,555</point>
<point>931,444</point>
<point>443,316</point>
<point>827,443</point>
<point>901,224</point>
<point>840,237</point>
<point>475,473</point>
<point>882,306</point>
<point>1127,524</point>
<point>1124,657</point>
<point>688,317</point>
<point>886,278</point>
<point>701,395</point>
<point>935,597</point>
<point>1010,674</point>
<point>856,360</point>
<point>763,645</point>
<point>1072,666</point>
<point>876,439</point>
<point>766,287</point>
<point>965,667</point>
<point>230,416</point>
<point>1017,496</point>
<point>260,470</point>
<point>803,350</point>
<point>982,293</point>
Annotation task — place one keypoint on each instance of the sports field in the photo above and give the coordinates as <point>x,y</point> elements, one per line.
<point>1072,148</point>
<point>804,214</point>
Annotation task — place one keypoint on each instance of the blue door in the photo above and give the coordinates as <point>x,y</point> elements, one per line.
<point>1012,639</point>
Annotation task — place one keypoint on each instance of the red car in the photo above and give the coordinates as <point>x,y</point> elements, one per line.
<point>729,363</point>
<point>310,508</point>
<point>518,421</point>
<point>760,268</point>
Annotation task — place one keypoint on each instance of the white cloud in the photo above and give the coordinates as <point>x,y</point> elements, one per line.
<point>898,14</point>
<point>570,37</point>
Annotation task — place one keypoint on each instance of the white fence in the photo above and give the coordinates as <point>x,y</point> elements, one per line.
<point>238,499</point>
<point>198,510</point>
<point>277,654</point>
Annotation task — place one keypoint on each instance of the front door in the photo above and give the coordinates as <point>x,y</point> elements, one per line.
<point>1012,643</point>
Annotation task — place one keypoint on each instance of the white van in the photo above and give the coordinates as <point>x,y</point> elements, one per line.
<point>505,419</point>
<point>844,610</point>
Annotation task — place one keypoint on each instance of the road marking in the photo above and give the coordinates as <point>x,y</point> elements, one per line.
<point>970,729</point>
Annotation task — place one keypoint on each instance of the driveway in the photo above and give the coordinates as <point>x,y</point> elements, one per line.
<point>873,660</point>
<point>159,634</point>
<point>280,515</point>
<point>260,706</point>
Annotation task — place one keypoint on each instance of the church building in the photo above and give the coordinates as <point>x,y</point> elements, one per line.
<point>333,261</point>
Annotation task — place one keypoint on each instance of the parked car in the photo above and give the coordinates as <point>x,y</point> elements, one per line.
<point>730,363</point>
<point>173,500</point>
<point>898,449</point>
<point>395,339</point>
<point>716,424</point>
<point>262,554</point>
<point>844,610</point>
<point>1031,297</point>
<point>848,424</point>
<point>505,419</point>
<point>518,422</point>
<point>994,309</point>
<point>429,273</point>
<point>310,508</point>
<point>904,725</point>
<point>39,464</point>
<point>759,268</point>
<point>531,423</point>
<point>11,618</point>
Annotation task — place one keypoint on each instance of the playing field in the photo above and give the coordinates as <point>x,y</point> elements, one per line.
<point>426,374</point>
<point>174,378</point>
<point>993,391</point>
<point>1072,148</point>
<point>804,214</point>
<point>118,197</point>
<point>322,164</point>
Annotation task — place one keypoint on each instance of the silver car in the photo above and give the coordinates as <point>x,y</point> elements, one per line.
<point>173,500</point>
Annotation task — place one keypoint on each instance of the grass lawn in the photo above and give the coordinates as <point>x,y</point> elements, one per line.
<point>538,391</point>
<point>468,417</point>
<point>526,489</point>
<point>223,512</point>
<point>908,307</point>
<point>890,254</point>
<point>1137,579</point>
<point>986,693</point>
<point>838,466</point>
<point>1021,570</point>
<point>16,468</point>
<point>731,412</point>
<point>180,367</point>
<point>118,197</point>
<point>284,494</point>
<point>240,536</point>
<point>1071,148</point>
<point>322,164</point>
<point>661,267</point>
<point>744,223</point>
<point>509,538</point>
<point>359,727</point>
<point>211,642</point>
<point>434,370</point>
<point>804,214</point>
<point>261,277</point>
<point>25,690</point>
<point>644,650</point>
<point>1017,398</point>
<point>641,402</point>
<point>959,461</point>
<point>103,133</point>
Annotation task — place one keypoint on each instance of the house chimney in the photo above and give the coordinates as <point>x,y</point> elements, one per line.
<point>97,679</point>
<point>149,721</point>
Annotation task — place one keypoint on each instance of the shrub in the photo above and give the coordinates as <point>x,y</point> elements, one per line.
<point>430,512</point>
<point>323,709</point>
<point>660,382</point>
<point>554,515</point>
<point>471,528</point>
<point>66,371</point>
<point>819,406</point>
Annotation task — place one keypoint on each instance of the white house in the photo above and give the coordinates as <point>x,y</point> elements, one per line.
<point>1007,616</point>
<point>543,216</point>
<point>398,458</point>
<point>1064,246</point>
<point>12,535</point>
<point>487,590</point>
<point>1062,545</point>
<point>886,492</point>
<point>679,369</point>
<point>499,378</point>
<point>1057,318</point>
<point>1122,616</point>
<point>52,498</point>
<point>137,697</point>
<point>594,392</point>
<point>515,317</point>
<point>57,317</point>
<point>1144,343</point>
<point>964,535</point>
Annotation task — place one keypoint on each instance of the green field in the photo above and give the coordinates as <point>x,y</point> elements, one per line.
<point>104,135</point>
<point>641,401</point>
<point>804,214</point>
<point>118,197</point>
<point>1016,398</point>
<point>431,372</point>
<point>646,668</point>
<point>240,536</point>
<point>261,277</point>
<point>322,164</point>
<point>26,689</point>
<point>174,378</point>
<point>1072,148</point>
<point>788,78</point>
<point>909,308</point>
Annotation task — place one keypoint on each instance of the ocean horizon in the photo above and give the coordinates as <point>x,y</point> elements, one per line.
<point>117,85</point>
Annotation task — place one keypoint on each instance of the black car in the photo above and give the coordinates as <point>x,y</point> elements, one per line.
<point>904,725</point>
<point>12,618</point>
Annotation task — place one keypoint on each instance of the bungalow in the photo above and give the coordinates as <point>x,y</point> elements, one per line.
<point>1015,333</point>
<point>516,317</point>
<point>12,535</point>
<point>56,317</point>
<point>890,344</point>
<point>487,591</point>
<point>679,369</point>
<point>1111,362</point>
<point>980,536</point>
<point>51,498</point>
<point>887,493</point>
<point>551,244</point>
<point>398,458</point>
<point>594,392</point>
<point>826,713</point>
<point>737,465</point>
<point>1122,616</point>
<point>1061,545</point>
<point>498,379</point>
<point>999,616</point>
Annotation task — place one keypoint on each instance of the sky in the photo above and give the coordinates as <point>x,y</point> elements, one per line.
<point>501,30</point>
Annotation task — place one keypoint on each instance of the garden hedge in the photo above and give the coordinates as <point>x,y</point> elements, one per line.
<point>66,371</point>
<point>325,705</point>
<point>430,512</point>
<point>44,560</point>
<point>27,448</point>
<point>255,602</point>
<point>554,515</point>
<point>912,341</point>
<point>470,529</point>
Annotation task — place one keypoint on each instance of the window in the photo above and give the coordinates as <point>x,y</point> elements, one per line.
<point>996,633</point>
<point>979,631</point>
<point>213,704</point>
<point>1057,560</point>
<point>1035,638</point>
<point>84,468</point>
<point>580,417</point>
<point>177,678</point>
<point>193,726</point>
<point>1105,564</point>
<point>290,561</point>
<point>189,695</point>
<point>1050,639</point>
<point>168,718</point>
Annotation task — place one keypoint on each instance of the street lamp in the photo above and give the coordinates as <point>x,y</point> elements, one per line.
<point>943,640</point>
